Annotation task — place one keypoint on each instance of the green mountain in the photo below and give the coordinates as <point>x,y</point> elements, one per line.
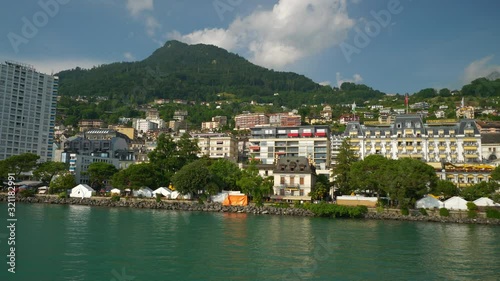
<point>181,71</point>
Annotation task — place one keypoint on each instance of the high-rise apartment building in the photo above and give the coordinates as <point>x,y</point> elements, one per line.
<point>269,144</point>
<point>27,111</point>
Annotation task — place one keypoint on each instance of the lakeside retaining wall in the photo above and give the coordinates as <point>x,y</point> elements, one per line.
<point>387,214</point>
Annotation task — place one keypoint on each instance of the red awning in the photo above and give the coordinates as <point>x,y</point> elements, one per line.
<point>307,134</point>
<point>321,134</point>
<point>293,134</point>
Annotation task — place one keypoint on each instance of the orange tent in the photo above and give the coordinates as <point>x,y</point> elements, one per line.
<point>236,200</point>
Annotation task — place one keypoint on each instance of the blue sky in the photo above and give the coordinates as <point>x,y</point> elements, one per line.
<point>409,46</point>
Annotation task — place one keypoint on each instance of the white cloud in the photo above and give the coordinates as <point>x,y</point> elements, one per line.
<point>135,7</point>
<point>356,78</point>
<point>141,10</point>
<point>128,56</point>
<point>325,83</point>
<point>290,31</point>
<point>479,68</point>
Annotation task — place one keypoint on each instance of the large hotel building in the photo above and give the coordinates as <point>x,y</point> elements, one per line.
<point>408,136</point>
<point>27,110</point>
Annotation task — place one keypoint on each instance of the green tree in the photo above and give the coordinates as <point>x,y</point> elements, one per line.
<point>99,173</point>
<point>62,183</point>
<point>410,180</point>
<point>252,184</point>
<point>319,191</point>
<point>47,170</point>
<point>225,173</point>
<point>18,164</point>
<point>187,150</point>
<point>193,177</point>
<point>446,189</point>
<point>482,189</point>
<point>444,92</point>
<point>495,174</point>
<point>340,171</point>
<point>137,176</point>
<point>369,174</point>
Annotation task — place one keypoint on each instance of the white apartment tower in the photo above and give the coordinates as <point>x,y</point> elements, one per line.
<point>28,111</point>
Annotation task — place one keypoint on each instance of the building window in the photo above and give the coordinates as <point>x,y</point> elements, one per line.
<point>282,180</point>
<point>301,181</point>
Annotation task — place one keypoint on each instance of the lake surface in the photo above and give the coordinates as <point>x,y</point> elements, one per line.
<point>56,242</point>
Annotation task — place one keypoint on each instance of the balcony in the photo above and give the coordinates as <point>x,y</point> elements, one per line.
<point>355,148</point>
<point>470,156</point>
<point>470,147</point>
<point>409,148</point>
<point>470,139</point>
<point>442,147</point>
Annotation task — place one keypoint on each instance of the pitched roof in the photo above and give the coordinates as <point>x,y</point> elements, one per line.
<point>297,165</point>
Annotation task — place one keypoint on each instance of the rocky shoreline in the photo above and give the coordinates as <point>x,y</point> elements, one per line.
<point>165,205</point>
<point>388,214</point>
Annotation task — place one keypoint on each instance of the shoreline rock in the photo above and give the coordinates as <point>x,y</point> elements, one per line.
<point>171,205</point>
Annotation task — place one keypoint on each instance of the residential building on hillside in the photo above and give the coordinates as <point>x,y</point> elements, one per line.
<point>408,136</point>
<point>250,120</point>
<point>286,119</point>
<point>488,126</point>
<point>28,101</point>
<point>210,126</point>
<point>269,144</point>
<point>88,124</point>
<point>144,125</point>
<point>346,118</point>
<point>217,146</point>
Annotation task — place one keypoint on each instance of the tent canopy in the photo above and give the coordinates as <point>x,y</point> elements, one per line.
<point>428,202</point>
<point>455,203</point>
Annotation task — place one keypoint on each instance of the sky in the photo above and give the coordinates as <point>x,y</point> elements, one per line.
<point>395,46</point>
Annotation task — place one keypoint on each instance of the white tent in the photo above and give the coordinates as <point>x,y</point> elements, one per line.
<point>455,203</point>
<point>177,195</point>
<point>165,191</point>
<point>144,192</point>
<point>429,202</point>
<point>485,201</point>
<point>115,191</point>
<point>219,198</point>
<point>81,191</point>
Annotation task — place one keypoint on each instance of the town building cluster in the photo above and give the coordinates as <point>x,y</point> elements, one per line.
<point>462,150</point>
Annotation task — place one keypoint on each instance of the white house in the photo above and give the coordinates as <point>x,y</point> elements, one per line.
<point>81,191</point>
<point>294,178</point>
<point>455,203</point>
<point>429,202</point>
<point>144,192</point>
<point>164,191</point>
<point>485,202</point>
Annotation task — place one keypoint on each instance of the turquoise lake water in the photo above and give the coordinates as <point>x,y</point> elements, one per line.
<point>55,242</point>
